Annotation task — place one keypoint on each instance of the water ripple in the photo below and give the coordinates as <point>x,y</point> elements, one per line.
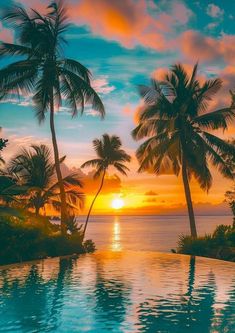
<point>119,292</point>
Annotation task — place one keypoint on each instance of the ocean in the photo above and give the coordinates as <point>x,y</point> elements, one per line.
<point>145,233</point>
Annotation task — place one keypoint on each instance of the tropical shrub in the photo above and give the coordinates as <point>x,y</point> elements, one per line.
<point>89,246</point>
<point>24,240</point>
<point>219,245</point>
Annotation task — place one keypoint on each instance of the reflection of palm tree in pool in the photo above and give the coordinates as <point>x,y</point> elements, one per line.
<point>191,312</point>
<point>64,275</point>
<point>35,303</point>
<point>112,297</point>
<point>227,318</point>
<point>27,302</point>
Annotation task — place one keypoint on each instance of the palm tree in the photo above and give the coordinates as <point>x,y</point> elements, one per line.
<point>36,172</point>
<point>109,153</point>
<point>45,73</point>
<point>175,117</point>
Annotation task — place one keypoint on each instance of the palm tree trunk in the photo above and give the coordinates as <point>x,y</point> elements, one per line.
<point>188,199</point>
<point>92,204</point>
<point>58,171</point>
<point>37,211</point>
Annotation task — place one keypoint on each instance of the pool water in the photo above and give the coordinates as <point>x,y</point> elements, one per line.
<point>119,292</point>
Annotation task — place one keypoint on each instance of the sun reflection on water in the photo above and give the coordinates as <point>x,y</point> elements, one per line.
<point>116,239</point>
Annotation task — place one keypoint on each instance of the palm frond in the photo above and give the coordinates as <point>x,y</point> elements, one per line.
<point>83,89</point>
<point>121,168</point>
<point>15,49</point>
<point>19,76</point>
<point>150,94</point>
<point>92,163</point>
<point>215,120</point>
<point>221,146</point>
<point>77,68</point>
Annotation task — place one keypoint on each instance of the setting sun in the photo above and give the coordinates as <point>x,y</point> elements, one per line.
<point>117,203</point>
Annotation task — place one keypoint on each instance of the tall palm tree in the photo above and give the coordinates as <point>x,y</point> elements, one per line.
<point>176,120</point>
<point>45,73</point>
<point>36,172</point>
<point>109,153</point>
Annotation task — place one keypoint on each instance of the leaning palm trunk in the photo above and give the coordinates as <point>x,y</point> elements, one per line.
<point>188,199</point>
<point>58,171</point>
<point>92,204</point>
<point>37,209</point>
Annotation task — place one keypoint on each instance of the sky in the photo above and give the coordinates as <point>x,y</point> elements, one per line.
<point>125,43</point>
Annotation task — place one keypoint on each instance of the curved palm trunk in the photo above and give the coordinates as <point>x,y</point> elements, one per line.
<point>92,204</point>
<point>58,171</point>
<point>188,199</point>
<point>37,211</point>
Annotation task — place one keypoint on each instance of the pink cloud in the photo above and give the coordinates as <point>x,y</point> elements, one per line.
<point>129,22</point>
<point>198,47</point>
<point>101,85</point>
<point>181,13</point>
<point>214,11</point>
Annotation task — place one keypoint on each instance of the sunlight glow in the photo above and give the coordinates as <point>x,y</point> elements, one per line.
<point>117,203</point>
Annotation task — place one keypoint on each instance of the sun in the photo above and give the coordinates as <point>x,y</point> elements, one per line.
<point>117,203</point>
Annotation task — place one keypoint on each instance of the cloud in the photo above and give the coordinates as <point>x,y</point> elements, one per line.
<point>101,85</point>
<point>214,11</point>
<point>151,193</point>
<point>197,47</point>
<point>22,101</point>
<point>16,142</point>
<point>212,26</point>
<point>112,183</point>
<point>129,22</point>
<point>180,13</point>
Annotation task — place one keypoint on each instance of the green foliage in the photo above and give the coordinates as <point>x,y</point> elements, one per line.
<point>219,245</point>
<point>24,240</point>
<point>89,246</point>
<point>3,144</point>
<point>9,189</point>
<point>36,172</point>
<point>72,226</point>
<point>230,198</point>
<point>109,153</point>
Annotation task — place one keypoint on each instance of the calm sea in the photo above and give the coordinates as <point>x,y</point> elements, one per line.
<point>145,233</point>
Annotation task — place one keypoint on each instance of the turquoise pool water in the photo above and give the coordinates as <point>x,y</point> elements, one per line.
<point>119,292</point>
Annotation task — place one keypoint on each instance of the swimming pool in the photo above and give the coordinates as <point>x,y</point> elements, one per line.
<point>119,292</point>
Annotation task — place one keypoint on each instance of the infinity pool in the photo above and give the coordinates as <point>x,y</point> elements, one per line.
<point>119,292</point>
